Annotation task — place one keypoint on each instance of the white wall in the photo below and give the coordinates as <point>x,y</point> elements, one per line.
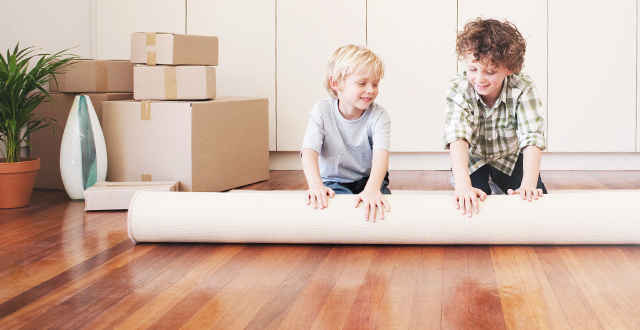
<point>101,29</point>
<point>51,26</point>
<point>117,19</point>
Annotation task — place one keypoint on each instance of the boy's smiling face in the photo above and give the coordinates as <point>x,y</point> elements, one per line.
<point>356,92</point>
<point>486,78</point>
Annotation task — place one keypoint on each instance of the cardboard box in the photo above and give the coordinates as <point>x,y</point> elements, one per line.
<point>153,48</point>
<point>96,76</point>
<point>46,145</point>
<point>117,195</point>
<point>212,145</point>
<point>174,82</point>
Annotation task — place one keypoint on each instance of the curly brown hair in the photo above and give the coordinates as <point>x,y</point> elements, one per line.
<point>498,42</point>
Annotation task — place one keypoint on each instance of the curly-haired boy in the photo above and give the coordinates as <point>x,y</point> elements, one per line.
<point>495,125</point>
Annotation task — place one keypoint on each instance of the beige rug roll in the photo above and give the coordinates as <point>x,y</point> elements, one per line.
<point>599,217</point>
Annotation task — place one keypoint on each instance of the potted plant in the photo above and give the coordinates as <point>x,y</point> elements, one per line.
<point>21,91</point>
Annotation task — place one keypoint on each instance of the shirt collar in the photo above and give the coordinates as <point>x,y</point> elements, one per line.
<point>501,98</point>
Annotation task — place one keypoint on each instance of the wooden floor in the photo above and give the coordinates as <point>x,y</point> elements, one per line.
<point>62,268</point>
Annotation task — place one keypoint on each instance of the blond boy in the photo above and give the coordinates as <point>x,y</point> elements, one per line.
<point>495,123</point>
<point>346,145</point>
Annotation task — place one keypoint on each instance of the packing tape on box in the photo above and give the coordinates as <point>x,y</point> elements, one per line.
<point>151,41</point>
<point>145,177</point>
<point>145,110</point>
<point>604,217</point>
<point>151,58</point>
<point>102,83</point>
<point>170,83</point>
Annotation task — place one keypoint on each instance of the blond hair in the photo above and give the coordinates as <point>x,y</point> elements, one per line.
<point>351,59</point>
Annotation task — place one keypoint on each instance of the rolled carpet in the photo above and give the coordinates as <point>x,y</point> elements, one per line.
<point>599,217</point>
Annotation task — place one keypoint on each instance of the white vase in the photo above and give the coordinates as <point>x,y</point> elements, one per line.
<point>83,153</point>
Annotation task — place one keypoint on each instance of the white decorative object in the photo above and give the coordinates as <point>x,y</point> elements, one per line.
<point>601,217</point>
<point>83,153</point>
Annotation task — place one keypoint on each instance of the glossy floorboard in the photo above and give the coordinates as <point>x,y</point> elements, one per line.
<point>62,268</point>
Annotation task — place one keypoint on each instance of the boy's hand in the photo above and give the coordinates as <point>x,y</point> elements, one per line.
<point>372,200</point>
<point>466,197</point>
<point>317,196</point>
<point>527,193</point>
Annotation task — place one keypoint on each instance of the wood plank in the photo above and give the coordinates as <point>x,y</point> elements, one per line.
<point>574,304</point>
<point>31,304</point>
<point>49,241</point>
<point>544,304</point>
<point>395,308</point>
<point>365,308</point>
<point>152,281</point>
<point>271,315</point>
<point>484,297</point>
<point>16,280</point>
<point>456,290</point>
<point>605,288</point>
<point>426,312</point>
<point>145,306</point>
<point>305,310</point>
<point>338,304</point>
<point>110,289</point>
<point>625,275</point>
<point>215,281</point>
<point>517,310</point>
<point>242,297</point>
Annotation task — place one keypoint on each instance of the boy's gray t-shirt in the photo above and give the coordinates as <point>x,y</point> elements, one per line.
<point>346,146</point>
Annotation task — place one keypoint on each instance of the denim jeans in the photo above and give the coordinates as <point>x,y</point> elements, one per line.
<point>480,178</point>
<point>357,186</point>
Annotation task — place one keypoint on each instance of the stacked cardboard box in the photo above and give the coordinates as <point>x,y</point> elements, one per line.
<point>101,80</point>
<point>117,195</point>
<point>176,66</point>
<point>176,130</point>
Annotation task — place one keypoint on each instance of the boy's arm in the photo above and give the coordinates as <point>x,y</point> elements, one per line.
<point>465,195</point>
<point>371,196</point>
<point>531,156</point>
<point>317,191</point>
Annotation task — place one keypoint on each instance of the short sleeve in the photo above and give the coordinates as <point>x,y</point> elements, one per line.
<point>382,132</point>
<point>314,136</point>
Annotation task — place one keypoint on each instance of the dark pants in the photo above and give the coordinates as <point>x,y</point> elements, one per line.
<point>357,186</point>
<point>480,178</point>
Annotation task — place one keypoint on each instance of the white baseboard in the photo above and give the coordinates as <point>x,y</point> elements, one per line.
<point>409,161</point>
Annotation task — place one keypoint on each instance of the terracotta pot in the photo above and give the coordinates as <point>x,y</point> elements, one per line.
<point>16,182</point>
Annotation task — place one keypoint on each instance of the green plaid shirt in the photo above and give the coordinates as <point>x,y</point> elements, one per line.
<point>495,135</point>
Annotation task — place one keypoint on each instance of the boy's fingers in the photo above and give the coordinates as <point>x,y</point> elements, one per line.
<point>456,204</point>
<point>510,192</point>
<point>386,205</point>
<point>372,212</point>
<point>475,204</point>
<point>356,201</point>
<point>331,193</point>
<point>308,198</point>
<point>325,200</point>
<point>483,195</point>
<point>366,213</point>
<point>381,210</point>
<point>469,204</point>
